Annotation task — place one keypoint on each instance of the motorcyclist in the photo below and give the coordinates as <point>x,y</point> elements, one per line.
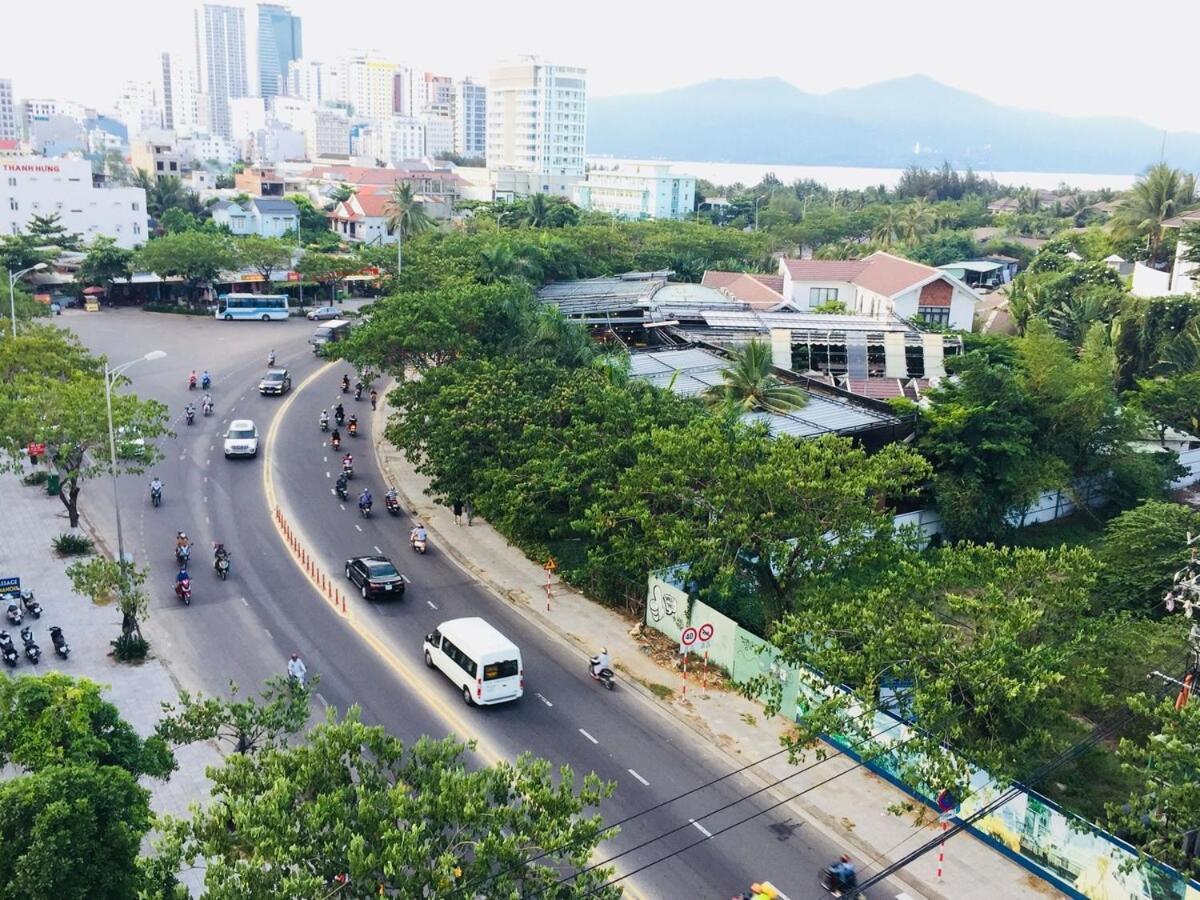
<point>347,462</point>
<point>271,359</point>
<point>324,420</point>
<point>374,398</point>
<point>192,380</point>
<point>843,873</point>
<point>205,380</point>
<point>345,383</point>
<point>219,551</point>
<point>296,669</point>
<point>352,425</point>
<point>182,577</point>
<point>358,389</point>
<point>342,484</point>
<point>600,662</point>
<point>364,499</point>
<point>207,404</point>
<point>156,486</point>
<point>418,534</point>
<point>391,498</point>
<point>335,440</point>
<point>339,413</point>
<point>190,412</point>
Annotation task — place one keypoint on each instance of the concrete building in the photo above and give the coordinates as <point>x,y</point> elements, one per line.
<point>275,144</point>
<point>402,92</point>
<point>33,185</point>
<point>187,104</point>
<point>394,140</point>
<point>168,93</point>
<point>363,218</point>
<point>205,146</point>
<point>470,118</point>
<point>221,61</point>
<point>246,116</point>
<point>439,135</point>
<point>537,123</point>
<point>1181,279</point>
<point>306,80</point>
<point>264,216</point>
<point>638,191</point>
<point>8,112</point>
<point>279,43</point>
<point>328,135</point>
<point>433,94</point>
<point>369,84</point>
<point>138,107</point>
<point>162,159</point>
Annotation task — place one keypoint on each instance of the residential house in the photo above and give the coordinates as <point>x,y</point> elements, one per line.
<point>758,291</point>
<point>437,187</point>
<point>363,219</point>
<point>880,286</point>
<point>1182,278</point>
<point>266,217</point>
<point>985,272</point>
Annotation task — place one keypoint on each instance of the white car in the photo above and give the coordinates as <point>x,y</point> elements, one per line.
<point>241,439</point>
<point>324,312</point>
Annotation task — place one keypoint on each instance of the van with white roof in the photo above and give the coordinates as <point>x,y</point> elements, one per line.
<point>484,664</point>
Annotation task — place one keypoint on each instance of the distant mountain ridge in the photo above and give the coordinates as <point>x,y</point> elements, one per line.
<point>889,124</point>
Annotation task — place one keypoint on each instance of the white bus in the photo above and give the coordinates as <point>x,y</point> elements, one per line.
<point>252,306</point>
<point>482,663</point>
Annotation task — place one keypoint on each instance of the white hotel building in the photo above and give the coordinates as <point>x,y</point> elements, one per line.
<point>44,186</point>
<point>638,191</point>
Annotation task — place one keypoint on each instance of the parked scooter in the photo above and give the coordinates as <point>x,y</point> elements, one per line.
<point>14,613</point>
<point>32,651</point>
<point>61,647</point>
<point>32,607</point>
<point>7,651</point>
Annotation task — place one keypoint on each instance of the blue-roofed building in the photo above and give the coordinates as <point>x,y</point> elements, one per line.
<point>264,216</point>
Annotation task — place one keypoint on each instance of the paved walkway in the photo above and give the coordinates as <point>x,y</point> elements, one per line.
<point>31,519</point>
<point>853,810</point>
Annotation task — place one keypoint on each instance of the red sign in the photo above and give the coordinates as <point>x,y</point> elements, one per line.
<point>293,276</point>
<point>36,449</point>
<point>30,167</point>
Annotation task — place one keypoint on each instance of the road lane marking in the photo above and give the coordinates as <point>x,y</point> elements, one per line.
<point>588,736</point>
<point>359,527</point>
<point>377,550</point>
<point>244,603</point>
<point>704,831</point>
<point>326,458</point>
<point>268,633</point>
<point>343,506</point>
<point>544,700</point>
<point>206,477</point>
<point>324,702</point>
<point>639,778</point>
<point>432,605</point>
<point>327,475</point>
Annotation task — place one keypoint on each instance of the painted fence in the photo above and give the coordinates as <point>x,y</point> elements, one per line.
<point>1064,849</point>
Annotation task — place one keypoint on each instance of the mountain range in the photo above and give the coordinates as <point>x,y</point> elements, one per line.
<point>890,124</point>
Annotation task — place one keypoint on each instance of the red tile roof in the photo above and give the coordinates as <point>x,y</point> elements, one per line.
<point>367,203</point>
<point>760,291</point>
<point>880,272</point>
<point>886,388</point>
<point>824,269</point>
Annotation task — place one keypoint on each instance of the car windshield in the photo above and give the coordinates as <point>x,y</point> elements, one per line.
<point>274,376</point>
<point>241,432</point>
<point>382,570</point>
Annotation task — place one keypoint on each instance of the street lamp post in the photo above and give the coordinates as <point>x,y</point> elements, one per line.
<point>110,376</point>
<point>12,291</point>
<point>299,252</point>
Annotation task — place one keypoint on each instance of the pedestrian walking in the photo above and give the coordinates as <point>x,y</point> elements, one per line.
<point>469,509</point>
<point>457,504</point>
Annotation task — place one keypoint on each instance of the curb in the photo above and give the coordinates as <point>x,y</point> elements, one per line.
<point>814,817</point>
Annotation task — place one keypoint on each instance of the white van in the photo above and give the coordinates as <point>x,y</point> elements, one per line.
<point>483,663</point>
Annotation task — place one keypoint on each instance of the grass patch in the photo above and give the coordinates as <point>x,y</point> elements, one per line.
<point>33,479</point>
<point>661,691</point>
<point>1080,529</point>
<point>68,544</point>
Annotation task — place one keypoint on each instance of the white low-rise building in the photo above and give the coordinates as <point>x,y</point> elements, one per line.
<point>264,216</point>
<point>1182,279</point>
<point>638,191</point>
<point>38,186</point>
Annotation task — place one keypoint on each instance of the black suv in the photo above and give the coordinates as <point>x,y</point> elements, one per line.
<point>276,381</point>
<point>375,576</point>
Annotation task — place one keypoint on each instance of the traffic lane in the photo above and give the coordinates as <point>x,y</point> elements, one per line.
<point>440,590</point>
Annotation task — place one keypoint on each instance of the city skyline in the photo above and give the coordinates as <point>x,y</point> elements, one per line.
<point>970,50</point>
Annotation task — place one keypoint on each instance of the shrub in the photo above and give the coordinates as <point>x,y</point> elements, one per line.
<point>70,544</point>
<point>130,648</point>
<point>177,310</point>
<point>41,476</point>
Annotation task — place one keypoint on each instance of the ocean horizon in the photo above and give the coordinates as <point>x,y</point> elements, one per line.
<point>858,178</point>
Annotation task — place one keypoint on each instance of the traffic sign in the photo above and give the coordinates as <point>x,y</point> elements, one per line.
<point>703,636</point>
<point>688,637</point>
<point>946,801</point>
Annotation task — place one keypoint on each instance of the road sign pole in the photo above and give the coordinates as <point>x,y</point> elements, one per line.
<point>685,656</point>
<point>704,680</point>
<point>942,851</point>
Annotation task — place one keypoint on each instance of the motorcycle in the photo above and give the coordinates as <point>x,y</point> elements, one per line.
<point>207,409</point>
<point>342,492</point>
<point>358,388</point>
<point>348,470</point>
<point>183,590</point>
<point>156,496</point>
<point>190,414</point>
<point>392,504</point>
<point>324,423</point>
<point>7,650</point>
<point>336,442</point>
<point>271,360</point>
<point>182,553</point>
<point>221,565</point>
<point>32,651</point>
<point>352,428</point>
<point>31,606</point>
<point>604,676</point>
<point>345,384</point>
<point>61,647</point>
<point>14,613</point>
<point>364,508</point>
<point>191,382</point>
<point>340,417</point>
<point>838,886</point>
<point>205,382</point>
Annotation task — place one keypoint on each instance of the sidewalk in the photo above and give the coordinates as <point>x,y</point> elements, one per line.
<point>853,810</point>
<point>31,520</point>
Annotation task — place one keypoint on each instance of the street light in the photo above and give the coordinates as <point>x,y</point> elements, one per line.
<point>110,376</point>
<point>12,291</point>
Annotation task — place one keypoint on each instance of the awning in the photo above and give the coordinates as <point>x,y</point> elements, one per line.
<point>93,290</point>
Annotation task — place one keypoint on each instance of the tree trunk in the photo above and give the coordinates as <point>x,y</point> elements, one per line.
<point>68,493</point>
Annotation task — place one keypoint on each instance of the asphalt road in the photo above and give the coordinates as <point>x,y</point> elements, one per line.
<point>243,629</point>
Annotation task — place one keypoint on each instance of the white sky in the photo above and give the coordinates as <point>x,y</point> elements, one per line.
<point>1075,57</point>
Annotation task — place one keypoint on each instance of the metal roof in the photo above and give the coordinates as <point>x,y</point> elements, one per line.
<point>690,370</point>
<point>974,265</point>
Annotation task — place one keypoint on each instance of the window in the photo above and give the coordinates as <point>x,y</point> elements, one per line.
<point>12,203</point>
<point>935,315</point>
<point>158,165</point>
<point>505,669</point>
<point>135,206</point>
<point>12,181</point>
<point>817,296</point>
<point>137,229</point>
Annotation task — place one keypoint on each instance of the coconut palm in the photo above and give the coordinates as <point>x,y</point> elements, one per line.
<point>537,214</point>
<point>406,216</point>
<point>915,221</point>
<point>1158,195</point>
<point>748,383</point>
<point>885,232</point>
<point>1073,318</point>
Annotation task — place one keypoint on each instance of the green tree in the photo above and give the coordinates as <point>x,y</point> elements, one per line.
<point>194,256</point>
<point>1160,194</point>
<point>103,580</point>
<point>749,383</point>
<point>263,255</point>
<point>176,220</point>
<point>105,261</point>
<point>1171,402</point>
<point>48,231</point>
<point>1142,550</point>
<point>325,269</point>
<point>915,221</point>
<point>20,251</point>
<point>248,725</point>
<point>354,812</point>
<point>407,216</point>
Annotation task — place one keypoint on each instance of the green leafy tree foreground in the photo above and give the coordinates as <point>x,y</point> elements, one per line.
<point>354,813</point>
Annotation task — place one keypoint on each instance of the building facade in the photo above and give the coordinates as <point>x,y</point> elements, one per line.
<point>537,123</point>
<point>306,80</point>
<point>328,135</point>
<point>638,191</point>
<point>221,61</point>
<point>37,186</point>
<point>279,43</point>
<point>470,118</point>
<point>159,159</point>
<point>265,217</point>
<point>439,135</point>
<point>138,107</point>
<point>8,112</point>
<point>168,93</point>
<point>369,85</point>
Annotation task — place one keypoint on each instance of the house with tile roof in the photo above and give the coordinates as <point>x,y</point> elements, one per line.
<point>881,286</point>
<point>264,216</point>
<point>763,292</point>
<point>363,219</point>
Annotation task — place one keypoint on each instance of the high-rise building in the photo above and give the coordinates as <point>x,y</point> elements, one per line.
<point>8,112</point>
<point>306,80</point>
<point>278,44</point>
<point>439,135</point>
<point>168,93</point>
<point>434,94</point>
<point>537,123</point>
<point>369,81</point>
<point>470,118</point>
<point>221,60</point>
<point>138,107</point>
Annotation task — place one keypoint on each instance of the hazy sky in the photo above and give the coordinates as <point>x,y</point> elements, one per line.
<point>1077,57</point>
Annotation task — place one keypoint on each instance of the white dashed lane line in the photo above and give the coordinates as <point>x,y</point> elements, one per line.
<point>377,550</point>
<point>432,605</point>
<point>544,700</point>
<point>359,527</point>
<point>704,831</point>
<point>639,777</point>
<point>588,736</point>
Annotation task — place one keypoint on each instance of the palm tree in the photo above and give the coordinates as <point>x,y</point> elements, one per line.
<point>1073,318</point>
<point>406,216</point>
<point>1158,195</point>
<point>537,214</point>
<point>749,384</point>
<point>885,232</point>
<point>567,343</point>
<point>915,221</point>
<point>496,263</point>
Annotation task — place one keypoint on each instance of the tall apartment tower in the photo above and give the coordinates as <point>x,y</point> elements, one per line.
<point>537,123</point>
<point>221,61</point>
<point>8,112</point>
<point>470,118</point>
<point>278,44</point>
<point>168,94</point>
<point>369,84</point>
